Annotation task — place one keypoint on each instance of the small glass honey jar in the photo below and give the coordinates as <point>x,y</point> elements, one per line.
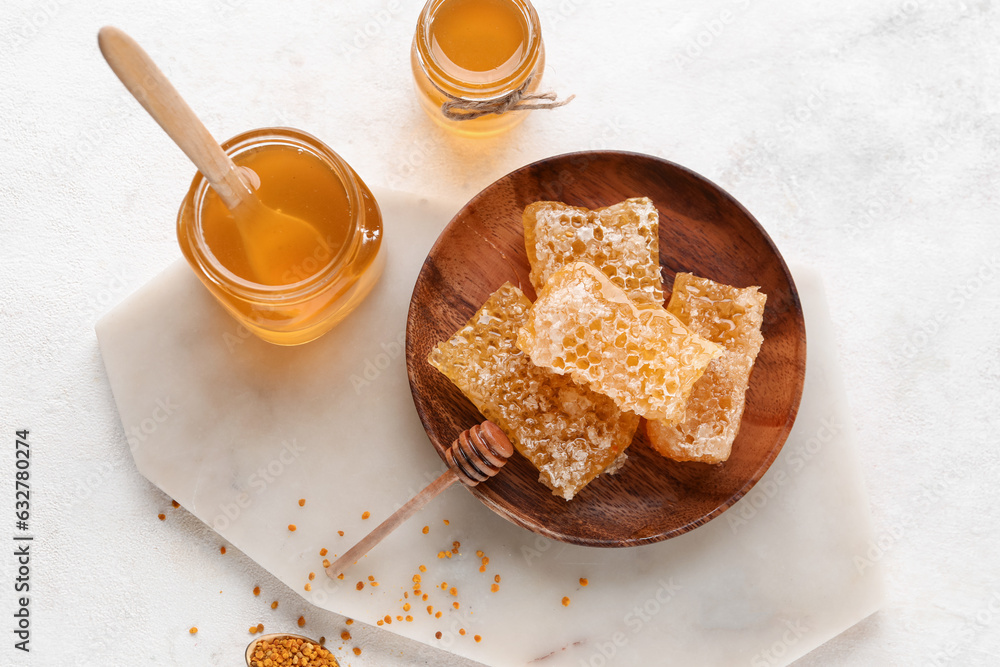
<point>477,64</point>
<point>297,174</point>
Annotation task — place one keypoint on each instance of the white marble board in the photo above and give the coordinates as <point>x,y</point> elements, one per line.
<point>238,430</point>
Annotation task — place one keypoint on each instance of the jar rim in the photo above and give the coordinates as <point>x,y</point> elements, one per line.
<point>218,273</point>
<point>440,78</point>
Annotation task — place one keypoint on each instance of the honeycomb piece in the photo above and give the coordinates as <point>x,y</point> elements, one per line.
<point>568,432</point>
<point>731,317</point>
<point>620,240</point>
<point>642,357</point>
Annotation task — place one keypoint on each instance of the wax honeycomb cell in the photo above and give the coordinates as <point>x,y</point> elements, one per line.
<point>730,317</point>
<point>641,356</point>
<point>569,433</point>
<point>620,240</point>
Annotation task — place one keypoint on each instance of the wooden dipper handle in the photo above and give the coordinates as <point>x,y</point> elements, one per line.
<point>153,90</point>
<point>475,456</point>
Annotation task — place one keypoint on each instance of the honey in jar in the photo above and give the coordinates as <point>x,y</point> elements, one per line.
<point>308,290</point>
<point>469,56</point>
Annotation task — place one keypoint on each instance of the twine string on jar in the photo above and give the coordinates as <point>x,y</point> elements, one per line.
<point>459,108</point>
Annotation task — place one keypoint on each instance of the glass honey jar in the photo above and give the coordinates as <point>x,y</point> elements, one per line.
<point>297,174</point>
<point>477,64</point>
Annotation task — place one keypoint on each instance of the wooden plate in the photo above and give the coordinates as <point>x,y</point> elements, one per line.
<point>702,230</point>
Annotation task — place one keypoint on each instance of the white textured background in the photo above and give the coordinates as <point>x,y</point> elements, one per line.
<point>863,136</point>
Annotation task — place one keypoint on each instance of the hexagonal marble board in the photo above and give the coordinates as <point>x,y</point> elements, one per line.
<point>237,430</point>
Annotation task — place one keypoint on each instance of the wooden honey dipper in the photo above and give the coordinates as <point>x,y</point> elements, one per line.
<point>476,455</point>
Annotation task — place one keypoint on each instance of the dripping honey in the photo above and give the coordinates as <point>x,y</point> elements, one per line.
<point>300,176</point>
<point>476,50</point>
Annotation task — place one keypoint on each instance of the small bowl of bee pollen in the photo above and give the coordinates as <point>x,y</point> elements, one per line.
<point>282,648</point>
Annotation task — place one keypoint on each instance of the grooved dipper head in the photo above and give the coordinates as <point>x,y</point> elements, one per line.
<point>479,453</point>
